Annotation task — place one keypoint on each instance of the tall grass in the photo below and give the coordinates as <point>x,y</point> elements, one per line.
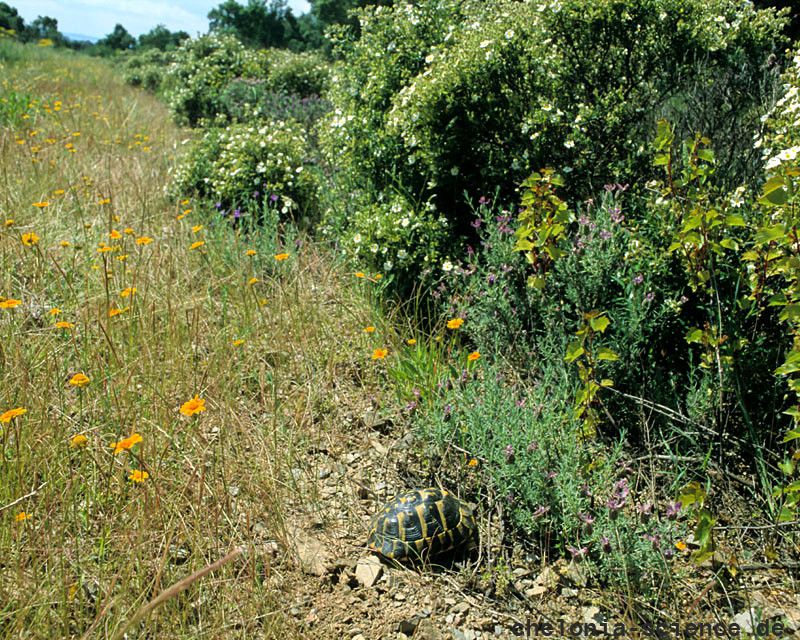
<point>85,542</point>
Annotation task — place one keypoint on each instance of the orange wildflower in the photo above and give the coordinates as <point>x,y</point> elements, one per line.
<point>126,444</point>
<point>63,324</point>
<point>369,329</point>
<point>193,406</point>
<point>472,357</point>
<point>22,516</point>
<point>380,354</point>
<point>455,323</point>
<point>114,234</point>
<point>127,292</point>
<point>78,441</point>
<point>10,303</point>
<point>197,245</point>
<point>79,380</point>
<point>144,240</point>
<point>41,205</point>
<point>281,256</point>
<point>9,415</point>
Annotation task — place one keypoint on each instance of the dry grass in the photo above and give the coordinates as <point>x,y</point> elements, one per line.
<point>98,546</point>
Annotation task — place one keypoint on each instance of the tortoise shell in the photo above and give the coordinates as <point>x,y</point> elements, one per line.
<point>420,524</point>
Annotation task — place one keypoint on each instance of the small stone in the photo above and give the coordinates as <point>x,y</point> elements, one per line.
<point>369,571</point>
<point>359,637</point>
<point>747,620</point>
<point>294,611</point>
<point>408,627</point>
<point>355,632</point>
<point>538,590</point>
<point>427,631</point>
<point>312,617</point>
<point>593,615</point>
<point>400,596</point>
<point>297,474</point>
<point>233,490</point>
<point>461,607</point>
<point>567,592</point>
<point>450,618</point>
<point>324,473</point>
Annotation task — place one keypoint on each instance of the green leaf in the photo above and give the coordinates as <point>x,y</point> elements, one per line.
<point>574,351</point>
<point>607,354</point>
<point>735,221</point>
<point>729,243</point>
<point>695,335</point>
<point>787,515</point>
<point>770,234</point>
<point>691,494</point>
<point>536,282</point>
<point>600,323</point>
<point>606,382</point>
<point>706,154</point>
<point>794,434</point>
<point>774,192</point>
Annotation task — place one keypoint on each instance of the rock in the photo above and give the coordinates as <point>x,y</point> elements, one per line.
<point>368,571</point>
<point>747,620</point>
<point>408,627</point>
<point>461,607</point>
<point>312,617</point>
<point>324,473</point>
<point>355,632</point>
<point>297,474</point>
<point>534,591</point>
<point>593,615</point>
<point>548,578</point>
<point>359,637</point>
<point>233,490</point>
<point>567,592</point>
<point>313,557</point>
<point>427,631</point>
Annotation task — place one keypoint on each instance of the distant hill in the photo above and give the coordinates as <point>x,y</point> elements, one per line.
<point>79,37</point>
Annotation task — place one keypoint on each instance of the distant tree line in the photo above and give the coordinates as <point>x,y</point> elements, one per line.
<point>258,23</point>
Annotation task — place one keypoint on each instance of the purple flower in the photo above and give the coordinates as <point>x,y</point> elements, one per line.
<point>274,197</point>
<point>256,193</point>
<point>578,554</point>
<point>491,279</point>
<point>218,205</point>
<point>605,544</point>
<point>645,511</point>
<point>673,510</point>
<point>476,223</point>
<point>549,475</point>
<point>520,403</point>
<point>509,453</point>
<point>533,446</point>
<point>237,214</point>
<point>588,521</point>
<point>583,220</point>
<point>540,511</point>
<point>411,406</point>
<point>650,296</point>
<point>483,200</point>
<point>470,251</point>
<point>638,279</point>
<point>448,409</point>
<point>616,216</point>
<point>654,540</point>
<point>605,235</point>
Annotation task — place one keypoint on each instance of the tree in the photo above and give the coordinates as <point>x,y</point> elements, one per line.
<point>10,19</point>
<point>159,37</point>
<point>118,39</point>
<point>258,23</point>
<point>43,28</point>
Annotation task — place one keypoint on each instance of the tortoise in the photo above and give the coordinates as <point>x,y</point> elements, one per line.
<point>422,523</point>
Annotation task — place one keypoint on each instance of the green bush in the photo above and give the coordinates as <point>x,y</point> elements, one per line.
<point>145,67</point>
<point>243,165</point>
<point>443,97</point>
<point>297,74</point>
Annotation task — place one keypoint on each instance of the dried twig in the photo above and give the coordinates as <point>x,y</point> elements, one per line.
<point>175,589</point>
<point>25,497</point>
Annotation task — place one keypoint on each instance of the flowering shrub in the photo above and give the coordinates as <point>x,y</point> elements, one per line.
<point>202,68</point>
<point>247,163</point>
<point>393,235</point>
<point>470,96</point>
<point>211,71</point>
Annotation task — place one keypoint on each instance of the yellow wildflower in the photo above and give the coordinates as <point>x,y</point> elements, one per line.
<point>281,256</point>
<point>252,281</point>
<point>10,303</point>
<point>197,245</point>
<point>78,441</point>
<point>22,516</point>
<point>455,323</point>
<point>250,252</point>
<point>64,325</point>
<point>54,311</point>
<point>380,354</point>
<point>369,329</point>
<point>138,476</point>
<point>29,239</point>
<point>127,292</point>
<point>114,234</point>
<point>472,357</point>
<point>238,343</point>
<point>42,204</point>
<point>144,240</point>
<point>197,228</point>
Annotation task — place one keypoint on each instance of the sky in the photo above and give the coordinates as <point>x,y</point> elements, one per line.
<point>96,18</point>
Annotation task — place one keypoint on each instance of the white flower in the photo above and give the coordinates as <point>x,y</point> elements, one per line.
<point>509,34</point>
<point>404,222</point>
<point>485,44</point>
<point>569,144</point>
<point>447,266</point>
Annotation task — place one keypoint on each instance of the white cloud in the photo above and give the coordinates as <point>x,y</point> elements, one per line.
<point>98,17</point>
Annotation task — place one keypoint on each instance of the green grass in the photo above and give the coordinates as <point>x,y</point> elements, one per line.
<point>98,546</point>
